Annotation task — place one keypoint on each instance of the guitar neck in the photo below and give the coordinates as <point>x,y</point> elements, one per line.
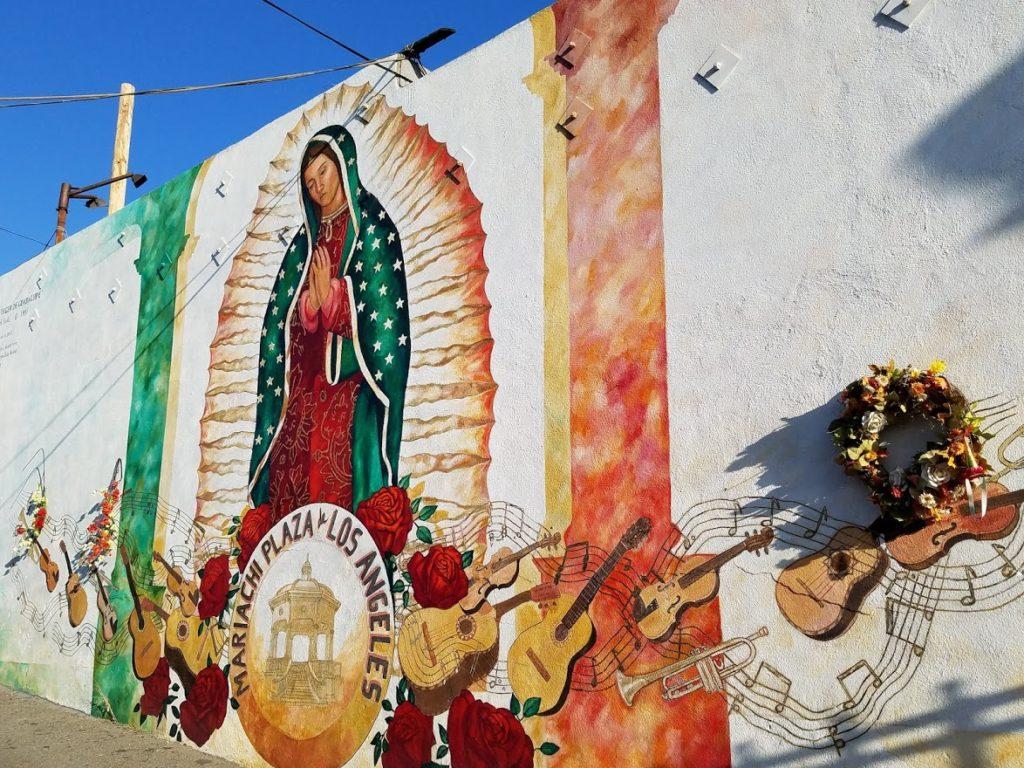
<point>500,609</point>
<point>713,564</point>
<point>67,557</point>
<point>149,605</point>
<point>1002,500</point>
<point>500,563</point>
<point>131,581</point>
<point>99,585</point>
<point>589,592</point>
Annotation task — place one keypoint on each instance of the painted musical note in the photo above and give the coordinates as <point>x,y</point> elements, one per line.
<point>773,507</point>
<point>734,702</point>
<point>736,509</point>
<point>1009,569</point>
<point>837,742</point>
<point>810,533</point>
<point>775,685</point>
<point>969,599</point>
<point>892,605</point>
<point>843,676</point>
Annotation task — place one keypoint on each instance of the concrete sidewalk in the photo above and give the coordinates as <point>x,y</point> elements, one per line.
<point>38,733</point>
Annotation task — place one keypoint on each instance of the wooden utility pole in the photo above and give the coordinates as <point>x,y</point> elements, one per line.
<point>122,143</point>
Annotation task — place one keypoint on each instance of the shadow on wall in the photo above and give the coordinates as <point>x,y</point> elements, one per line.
<point>796,462</point>
<point>981,142</point>
<point>962,730</point>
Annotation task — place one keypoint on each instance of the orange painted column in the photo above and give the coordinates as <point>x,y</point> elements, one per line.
<point>618,415</point>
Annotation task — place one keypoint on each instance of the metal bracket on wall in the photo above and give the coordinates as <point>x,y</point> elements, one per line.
<point>569,56</point>
<point>285,234</point>
<point>113,292</point>
<point>121,237</point>
<point>718,67</point>
<point>460,165</point>
<point>574,118</point>
<point>225,184</point>
<point>904,12</point>
<point>216,255</point>
<point>33,316</point>
<point>74,298</point>
<point>43,274</point>
<point>165,264</point>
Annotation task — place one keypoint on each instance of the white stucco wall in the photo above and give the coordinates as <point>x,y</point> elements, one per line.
<point>852,195</point>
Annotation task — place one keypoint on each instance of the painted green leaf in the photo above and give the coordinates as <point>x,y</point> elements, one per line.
<point>549,748</point>
<point>513,706</point>
<point>428,511</point>
<point>467,558</point>
<point>444,734</point>
<point>423,534</point>
<point>442,751</point>
<point>531,706</point>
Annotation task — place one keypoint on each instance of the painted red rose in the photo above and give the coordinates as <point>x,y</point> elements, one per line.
<point>410,738</point>
<point>154,690</point>
<point>254,527</point>
<point>483,736</point>
<point>213,589</point>
<point>204,708</point>
<point>438,579</point>
<point>387,515</point>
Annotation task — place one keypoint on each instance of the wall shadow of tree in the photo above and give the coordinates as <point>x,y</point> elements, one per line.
<point>966,723</point>
<point>979,142</point>
<point>795,462</point>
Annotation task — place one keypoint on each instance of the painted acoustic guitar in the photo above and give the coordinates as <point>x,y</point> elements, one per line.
<point>443,651</point>
<point>78,601</point>
<point>47,565</point>
<point>187,592</point>
<point>657,607</point>
<point>541,660</point>
<point>500,571</point>
<point>190,638</point>
<point>821,594</point>
<point>146,648</point>
<point>108,617</point>
<point>919,549</point>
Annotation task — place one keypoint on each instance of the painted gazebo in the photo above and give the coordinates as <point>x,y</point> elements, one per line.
<point>301,660</point>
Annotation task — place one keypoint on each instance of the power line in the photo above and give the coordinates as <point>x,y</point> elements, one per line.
<point>37,101</point>
<point>334,40</point>
<point>23,237</point>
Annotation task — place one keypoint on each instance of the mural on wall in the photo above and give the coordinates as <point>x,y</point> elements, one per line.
<point>339,584</point>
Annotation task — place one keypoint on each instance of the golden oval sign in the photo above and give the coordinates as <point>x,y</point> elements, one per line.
<point>312,639</point>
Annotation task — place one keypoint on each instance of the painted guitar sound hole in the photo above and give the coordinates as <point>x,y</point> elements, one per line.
<point>182,631</point>
<point>465,627</point>
<point>839,564</point>
<point>561,633</point>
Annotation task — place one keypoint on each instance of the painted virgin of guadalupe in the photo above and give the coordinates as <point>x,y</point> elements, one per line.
<point>334,353</point>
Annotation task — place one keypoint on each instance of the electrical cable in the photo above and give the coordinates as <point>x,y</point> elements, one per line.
<point>138,341</point>
<point>23,237</point>
<point>35,101</point>
<point>334,40</point>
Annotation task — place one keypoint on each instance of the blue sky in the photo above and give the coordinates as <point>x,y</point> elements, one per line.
<point>93,46</point>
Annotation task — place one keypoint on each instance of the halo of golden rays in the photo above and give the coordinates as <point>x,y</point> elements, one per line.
<point>449,398</point>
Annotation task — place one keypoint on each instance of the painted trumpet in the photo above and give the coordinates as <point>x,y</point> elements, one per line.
<point>709,675</point>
